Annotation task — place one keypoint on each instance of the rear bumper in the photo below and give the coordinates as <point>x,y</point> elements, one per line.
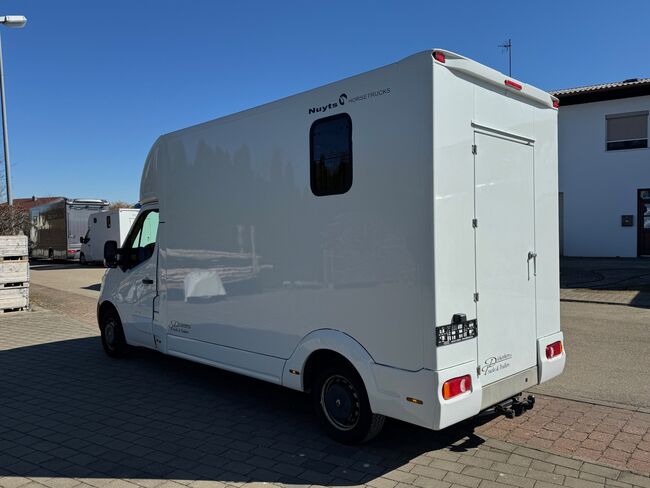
<point>394,386</point>
<point>73,255</point>
<point>508,387</point>
<point>550,368</point>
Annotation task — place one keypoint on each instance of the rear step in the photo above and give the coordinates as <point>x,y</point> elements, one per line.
<point>514,407</point>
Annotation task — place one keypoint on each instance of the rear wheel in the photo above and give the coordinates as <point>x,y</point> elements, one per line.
<point>112,333</point>
<point>342,405</point>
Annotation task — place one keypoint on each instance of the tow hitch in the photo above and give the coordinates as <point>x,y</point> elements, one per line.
<point>515,406</point>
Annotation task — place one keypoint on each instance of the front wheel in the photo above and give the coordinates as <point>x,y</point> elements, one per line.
<point>113,339</point>
<point>342,405</point>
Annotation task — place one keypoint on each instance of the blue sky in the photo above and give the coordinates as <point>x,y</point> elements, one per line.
<point>90,85</point>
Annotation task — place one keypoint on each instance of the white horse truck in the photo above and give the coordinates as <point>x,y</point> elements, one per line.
<point>108,225</point>
<point>387,243</point>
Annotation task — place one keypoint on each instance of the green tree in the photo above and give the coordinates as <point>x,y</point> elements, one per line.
<point>120,204</point>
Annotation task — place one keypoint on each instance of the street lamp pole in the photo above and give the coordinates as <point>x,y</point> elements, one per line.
<point>5,135</point>
<point>9,21</point>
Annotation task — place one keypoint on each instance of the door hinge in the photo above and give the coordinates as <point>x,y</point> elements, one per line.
<point>475,223</point>
<point>474,149</point>
<point>478,371</point>
<point>476,297</point>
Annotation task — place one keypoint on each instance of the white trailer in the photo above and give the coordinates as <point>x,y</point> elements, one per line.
<point>388,242</point>
<point>108,225</point>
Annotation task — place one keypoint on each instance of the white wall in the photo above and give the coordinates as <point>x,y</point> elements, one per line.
<point>599,186</point>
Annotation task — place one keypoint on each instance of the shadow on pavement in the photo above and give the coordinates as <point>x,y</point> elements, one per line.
<point>69,411</point>
<point>94,287</point>
<point>613,281</point>
<point>49,265</point>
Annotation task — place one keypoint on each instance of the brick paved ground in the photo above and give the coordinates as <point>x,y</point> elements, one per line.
<point>613,436</point>
<point>80,307</point>
<point>69,416</point>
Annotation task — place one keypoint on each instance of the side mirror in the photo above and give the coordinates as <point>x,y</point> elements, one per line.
<point>110,254</point>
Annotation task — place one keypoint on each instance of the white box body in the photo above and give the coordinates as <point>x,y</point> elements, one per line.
<point>109,225</point>
<point>452,210</point>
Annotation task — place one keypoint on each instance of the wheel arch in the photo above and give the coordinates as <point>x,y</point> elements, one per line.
<point>324,345</point>
<point>103,307</point>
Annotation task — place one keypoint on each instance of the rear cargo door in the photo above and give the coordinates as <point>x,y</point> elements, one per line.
<point>505,254</point>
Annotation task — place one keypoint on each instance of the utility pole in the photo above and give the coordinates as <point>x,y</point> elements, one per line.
<point>508,47</point>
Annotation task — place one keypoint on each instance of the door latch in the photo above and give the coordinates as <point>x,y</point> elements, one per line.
<point>532,255</point>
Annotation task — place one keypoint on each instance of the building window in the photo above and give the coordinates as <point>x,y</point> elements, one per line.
<point>108,221</point>
<point>627,131</point>
<point>330,149</point>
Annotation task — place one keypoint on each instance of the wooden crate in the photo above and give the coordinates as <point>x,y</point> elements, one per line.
<point>14,298</point>
<point>14,271</point>
<point>12,247</point>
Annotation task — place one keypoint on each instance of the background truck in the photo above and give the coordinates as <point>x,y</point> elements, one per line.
<point>387,243</point>
<point>110,225</point>
<point>57,226</point>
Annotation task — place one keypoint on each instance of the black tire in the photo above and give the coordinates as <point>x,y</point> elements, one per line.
<point>113,340</point>
<point>342,406</point>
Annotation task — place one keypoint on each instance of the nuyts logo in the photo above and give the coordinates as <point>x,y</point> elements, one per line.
<point>324,108</point>
<point>343,99</point>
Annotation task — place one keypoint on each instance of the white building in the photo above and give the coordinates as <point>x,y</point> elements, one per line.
<point>604,169</point>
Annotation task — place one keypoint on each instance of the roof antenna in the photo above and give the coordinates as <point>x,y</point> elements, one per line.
<point>508,46</point>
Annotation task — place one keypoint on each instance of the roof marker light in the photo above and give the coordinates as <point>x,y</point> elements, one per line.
<point>438,56</point>
<point>513,84</point>
<point>556,104</point>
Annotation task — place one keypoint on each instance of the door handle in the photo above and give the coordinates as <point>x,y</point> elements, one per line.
<point>532,255</point>
<point>147,281</point>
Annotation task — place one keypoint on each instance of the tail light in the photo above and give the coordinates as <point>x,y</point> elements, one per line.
<point>513,84</point>
<point>72,251</point>
<point>438,56</point>
<point>554,350</point>
<point>456,386</point>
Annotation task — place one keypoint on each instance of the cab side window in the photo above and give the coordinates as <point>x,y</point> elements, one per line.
<point>141,242</point>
